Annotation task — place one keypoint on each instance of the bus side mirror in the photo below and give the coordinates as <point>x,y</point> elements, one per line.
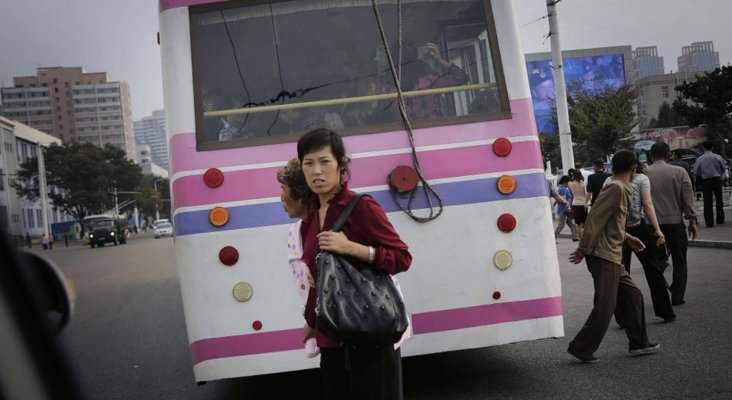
<point>53,292</point>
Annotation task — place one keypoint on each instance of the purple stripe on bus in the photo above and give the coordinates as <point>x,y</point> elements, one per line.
<point>452,193</point>
<point>422,323</point>
<point>371,171</point>
<point>185,157</point>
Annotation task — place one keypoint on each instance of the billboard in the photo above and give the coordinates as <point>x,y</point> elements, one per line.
<point>594,74</point>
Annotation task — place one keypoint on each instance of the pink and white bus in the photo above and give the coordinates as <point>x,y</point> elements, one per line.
<point>243,80</point>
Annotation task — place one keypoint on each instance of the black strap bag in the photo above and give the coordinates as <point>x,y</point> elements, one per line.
<point>357,303</point>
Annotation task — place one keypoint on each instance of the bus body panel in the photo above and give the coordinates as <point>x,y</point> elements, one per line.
<point>456,296</point>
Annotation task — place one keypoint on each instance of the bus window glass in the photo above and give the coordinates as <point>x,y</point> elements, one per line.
<point>265,73</point>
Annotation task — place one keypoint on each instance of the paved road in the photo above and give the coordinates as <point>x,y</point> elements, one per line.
<point>127,340</point>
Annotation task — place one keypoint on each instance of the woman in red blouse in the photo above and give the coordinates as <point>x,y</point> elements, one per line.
<point>349,371</point>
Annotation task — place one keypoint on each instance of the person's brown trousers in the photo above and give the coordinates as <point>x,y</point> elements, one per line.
<point>613,286</point>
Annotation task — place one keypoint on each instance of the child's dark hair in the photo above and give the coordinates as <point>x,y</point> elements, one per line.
<point>623,161</point>
<point>320,138</point>
<point>564,179</point>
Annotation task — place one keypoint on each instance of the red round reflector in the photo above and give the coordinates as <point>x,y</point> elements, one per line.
<point>404,178</point>
<point>257,325</point>
<point>213,177</point>
<point>496,295</point>
<point>229,255</point>
<point>506,222</point>
<point>502,147</point>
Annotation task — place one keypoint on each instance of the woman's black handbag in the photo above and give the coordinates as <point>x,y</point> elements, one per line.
<point>357,303</point>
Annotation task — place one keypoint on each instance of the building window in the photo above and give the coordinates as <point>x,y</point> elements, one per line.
<point>664,91</point>
<point>2,180</point>
<point>22,212</point>
<point>39,214</point>
<point>30,218</point>
<point>328,73</point>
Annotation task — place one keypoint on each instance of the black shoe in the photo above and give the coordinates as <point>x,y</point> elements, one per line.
<point>678,302</point>
<point>669,319</point>
<point>586,360</point>
<point>575,240</point>
<point>650,349</point>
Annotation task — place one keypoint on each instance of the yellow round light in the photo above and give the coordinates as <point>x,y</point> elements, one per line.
<point>218,216</point>
<point>506,184</point>
<point>502,259</point>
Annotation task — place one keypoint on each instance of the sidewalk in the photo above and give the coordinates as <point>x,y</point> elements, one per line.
<point>720,236</point>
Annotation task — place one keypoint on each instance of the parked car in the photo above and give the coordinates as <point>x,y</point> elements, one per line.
<point>163,229</point>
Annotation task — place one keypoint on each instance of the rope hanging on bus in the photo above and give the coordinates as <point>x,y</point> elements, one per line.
<point>397,75</point>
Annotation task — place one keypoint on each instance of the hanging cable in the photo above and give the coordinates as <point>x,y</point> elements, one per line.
<point>396,75</point>
<point>279,69</point>
<point>238,67</point>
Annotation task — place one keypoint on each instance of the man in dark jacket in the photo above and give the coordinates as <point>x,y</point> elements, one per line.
<point>596,180</point>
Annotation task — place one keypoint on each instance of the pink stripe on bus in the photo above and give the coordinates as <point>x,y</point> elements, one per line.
<point>422,323</point>
<point>372,171</point>
<point>185,157</point>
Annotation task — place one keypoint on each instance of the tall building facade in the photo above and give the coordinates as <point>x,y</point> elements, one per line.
<point>654,90</point>
<point>646,62</point>
<point>73,105</point>
<point>698,57</point>
<point>150,131</point>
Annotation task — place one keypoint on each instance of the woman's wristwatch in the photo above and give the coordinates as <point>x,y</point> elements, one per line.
<point>372,255</point>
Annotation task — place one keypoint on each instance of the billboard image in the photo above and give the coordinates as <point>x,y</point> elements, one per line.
<point>594,74</point>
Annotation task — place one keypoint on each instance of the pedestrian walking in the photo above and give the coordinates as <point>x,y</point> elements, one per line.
<point>27,240</point>
<point>564,210</point>
<point>579,200</point>
<point>642,223</point>
<point>673,200</point>
<point>596,180</point>
<point>602,248</point>
<point>710,170</point>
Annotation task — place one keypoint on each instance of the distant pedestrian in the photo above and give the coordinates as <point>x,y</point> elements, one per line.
<point>673,199</point>
<point>596,180</point>
<point>553,194</point>
<point>564,210</point>
<point>579,200</point>
<point>66,239</point>
<point>710,170</point>
<point>44,242</point>
<point>27,240</point>
<point>602,247</point>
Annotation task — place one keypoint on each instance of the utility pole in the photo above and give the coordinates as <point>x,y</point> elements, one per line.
<point>43,189</point>
<point>560,88</point>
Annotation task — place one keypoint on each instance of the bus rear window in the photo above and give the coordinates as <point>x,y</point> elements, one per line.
<point>267,73</point>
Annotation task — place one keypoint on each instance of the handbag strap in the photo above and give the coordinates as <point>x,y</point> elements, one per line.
<point>346,213</point>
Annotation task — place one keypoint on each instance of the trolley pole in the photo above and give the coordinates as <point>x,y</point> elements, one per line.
<point>43,189</point>
<point>560,88</point>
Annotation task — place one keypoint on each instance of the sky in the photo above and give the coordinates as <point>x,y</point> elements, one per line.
<point>119,37</point>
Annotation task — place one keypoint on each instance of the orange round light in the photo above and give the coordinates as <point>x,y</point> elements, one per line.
<point>506,184</point>
<point>506,222</point>
<point>502,147</point>
<point>218,216</point>
<point>213,177</point>
<point>228,255</point>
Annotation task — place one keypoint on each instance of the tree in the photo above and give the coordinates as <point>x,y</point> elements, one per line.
<point>601,121</point>
<point>667,118</point>
<point>150,201</point>
<point>80,177</point>
<point>708,100</point>
<point>550,148</point>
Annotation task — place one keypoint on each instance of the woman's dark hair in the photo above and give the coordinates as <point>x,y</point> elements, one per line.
<point>577,176</point>
<point>564,179</point>
<point>320,138</point>
<point>291,175</point>
<point>623,161</point>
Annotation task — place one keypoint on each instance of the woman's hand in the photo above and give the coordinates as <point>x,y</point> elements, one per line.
<point>335,242</point>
